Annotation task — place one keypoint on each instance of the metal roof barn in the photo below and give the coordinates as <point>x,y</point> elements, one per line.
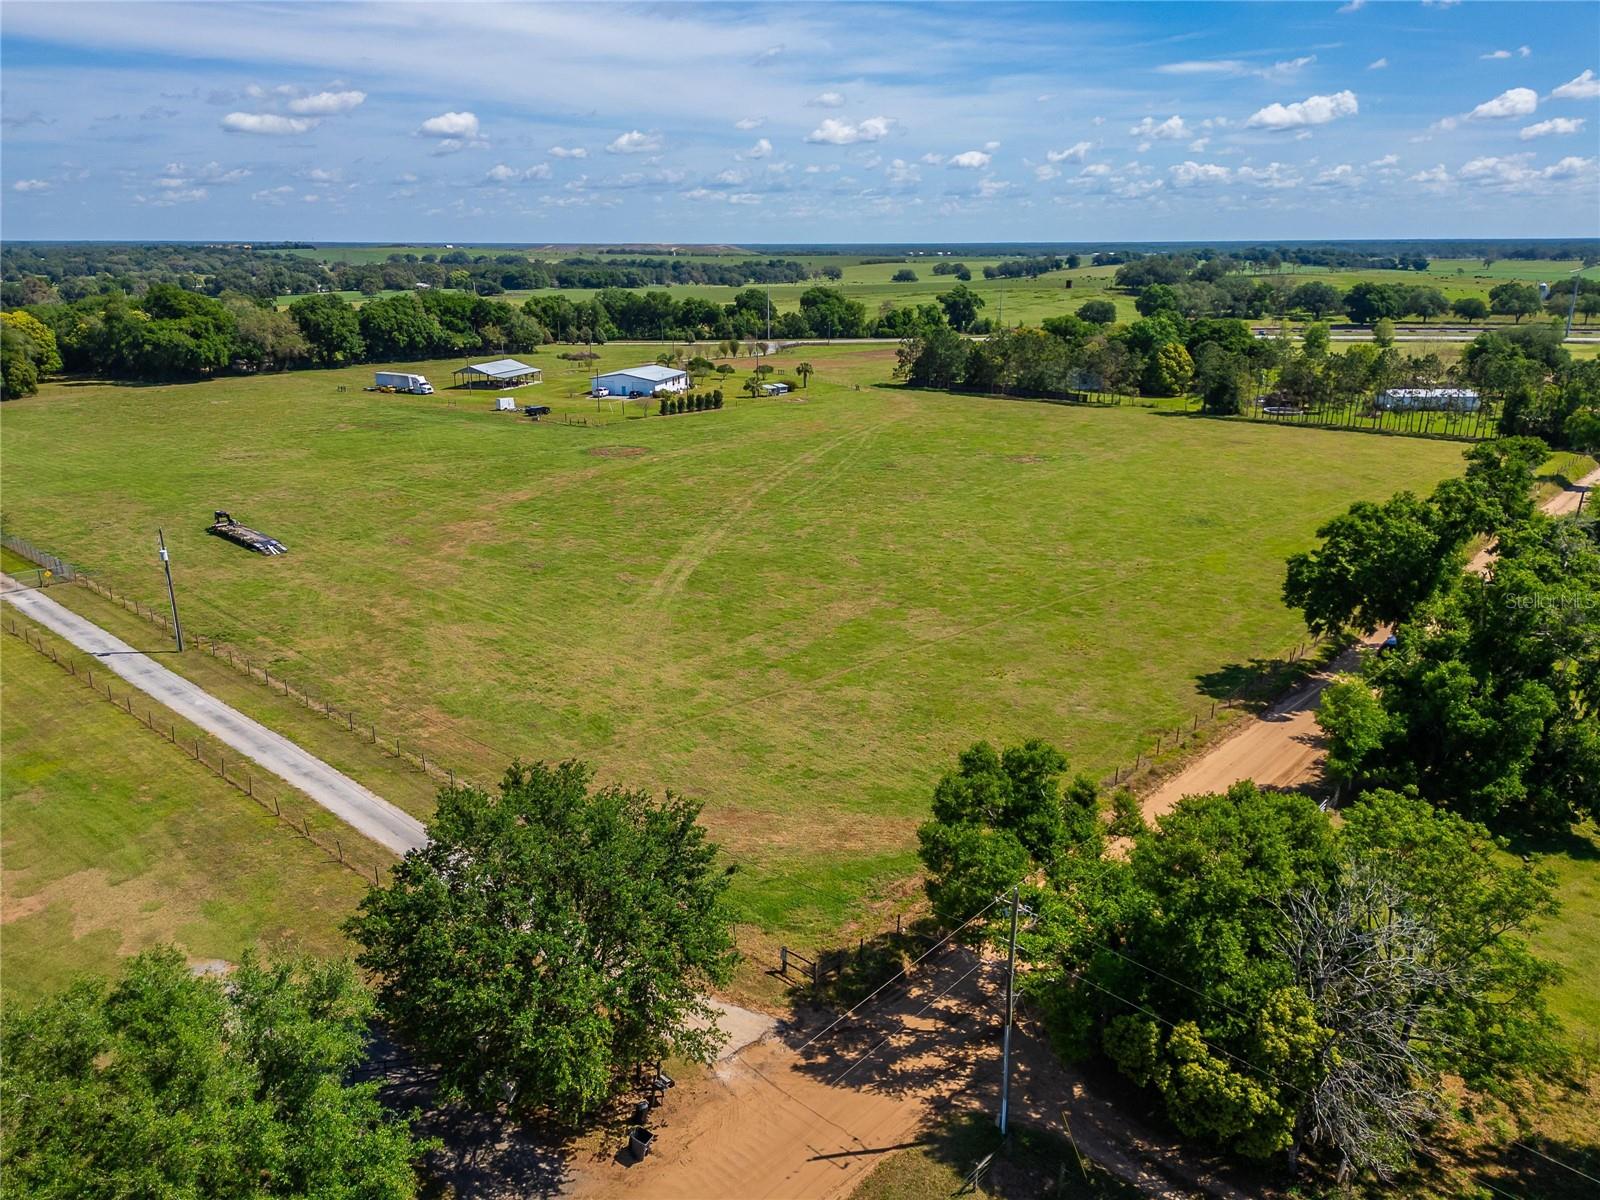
<point>645,380</point>
<point>502,372</point>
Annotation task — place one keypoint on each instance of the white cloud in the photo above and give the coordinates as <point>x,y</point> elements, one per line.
<point>501,173</point>
<point>762,149</point>
<point>322,175</point>
<point>1377,64</point>
<point>1204,66</point>
<point>834,132</point>
<point>275,195</point>
<point>1352,6</point>
<point>1513,102</point>
<point>1584,87</point>
<point>1434,175</point>
<point>932,159</point>
<point>1496,54</point>
<point>1280,71</point>
<point>901,172</point>
<point>268,123</point>
<point>459,125</point>
<point>1173,127</point>
<point>635,142</point>
<point>1275,175</point>
<point>215,172</point>
<point>749,123</point>
<point>827,100</point>
<point>1313,110</point>
<point>989,189</point>
<point>1095,171</point>
<point>1343,175</point>
<point>1192,174</point>
<point>32,185</point>
<point>1073,153</point>
<point>1516,172</point>
<point>1227,67</point>
<point>970,160</point>
<point>326,104</point>
<point>1556,125</point>
<point>567,152</point>
<point>1388,160</point>
<point>1199,145</point>
<point>1044,172</point>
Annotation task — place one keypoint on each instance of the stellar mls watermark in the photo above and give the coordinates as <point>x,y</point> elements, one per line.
<point>1558,602</point>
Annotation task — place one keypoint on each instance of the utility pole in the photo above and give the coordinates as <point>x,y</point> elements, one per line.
<point>1011,1008</point>
<point>172,596</point>
<point>769,313</point>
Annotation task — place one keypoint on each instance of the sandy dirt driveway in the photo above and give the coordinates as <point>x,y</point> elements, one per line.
<point>790,1118</point>
<point>1283,747</point>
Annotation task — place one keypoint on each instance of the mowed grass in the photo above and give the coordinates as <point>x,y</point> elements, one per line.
<point>114,841</point>
<point>794,610</point>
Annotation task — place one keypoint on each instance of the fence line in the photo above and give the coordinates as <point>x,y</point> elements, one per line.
<point>413,754</point>
<point>270,803</point>
<point>1364,417</point>
<point>1233,702</point>
<point>22,546</point>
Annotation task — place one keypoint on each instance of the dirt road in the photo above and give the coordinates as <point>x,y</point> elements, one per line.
<point>361,809</point>
<point>784,1120</point>
<point>1284,747</point>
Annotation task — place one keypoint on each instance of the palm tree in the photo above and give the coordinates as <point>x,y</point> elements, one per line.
<point>805,370</point>
<point>752,387</point>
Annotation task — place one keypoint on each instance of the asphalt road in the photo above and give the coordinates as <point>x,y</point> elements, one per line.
<point>361,809</point>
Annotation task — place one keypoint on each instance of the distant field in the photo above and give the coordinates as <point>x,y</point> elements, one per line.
<point>796,610</point>
<point>1022,301</point>
<point>114,840</point>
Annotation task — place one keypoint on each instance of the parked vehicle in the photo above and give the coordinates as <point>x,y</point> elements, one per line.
<point>401,381</point>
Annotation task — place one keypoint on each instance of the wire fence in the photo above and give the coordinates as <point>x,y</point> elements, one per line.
<point>1364,416</point>
<point>21,545</point>
<point>240,777</point>
<point>1267,682</point>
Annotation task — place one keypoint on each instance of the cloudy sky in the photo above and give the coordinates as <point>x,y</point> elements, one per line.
<point>795,122</point>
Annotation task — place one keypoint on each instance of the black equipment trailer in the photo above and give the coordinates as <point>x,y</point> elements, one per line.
<point>224,526</point>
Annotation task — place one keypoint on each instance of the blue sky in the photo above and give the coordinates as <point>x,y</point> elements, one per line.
<point>792,122</point>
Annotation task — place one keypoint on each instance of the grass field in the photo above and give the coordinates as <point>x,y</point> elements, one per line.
<point>114,840</point>
<point>796,610</point>
<point>1026,301</point>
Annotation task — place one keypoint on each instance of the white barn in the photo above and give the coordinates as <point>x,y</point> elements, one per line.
<point>643,381</point>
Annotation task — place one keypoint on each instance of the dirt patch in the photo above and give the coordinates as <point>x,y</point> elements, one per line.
<point>1027,458</point>
<point>619,451</point>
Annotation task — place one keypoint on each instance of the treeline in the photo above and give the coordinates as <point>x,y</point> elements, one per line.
<point>1216,287</point>
<point>168,332</point>
<point>50,273</point>
<point>1523,373</point>
<point>33,273</point>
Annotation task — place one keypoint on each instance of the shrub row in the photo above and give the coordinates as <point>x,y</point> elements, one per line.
<point>694,402</point>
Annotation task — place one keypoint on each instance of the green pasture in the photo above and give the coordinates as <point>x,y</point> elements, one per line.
<point>114,841</point>
<point>795,610</point>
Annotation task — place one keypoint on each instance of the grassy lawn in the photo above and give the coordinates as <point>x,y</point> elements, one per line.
<point>796,610</point>
<point>114,841</point>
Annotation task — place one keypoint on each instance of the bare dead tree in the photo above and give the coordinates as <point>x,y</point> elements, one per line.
<point>1370,966</point>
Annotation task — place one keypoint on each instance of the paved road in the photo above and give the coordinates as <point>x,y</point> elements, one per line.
<point>361,809</point>
<point>1284,746</point>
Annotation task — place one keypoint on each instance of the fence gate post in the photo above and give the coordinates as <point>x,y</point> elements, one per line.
<point>783,960</point>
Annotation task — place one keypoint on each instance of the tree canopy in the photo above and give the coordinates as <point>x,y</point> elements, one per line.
<point>172,1084</point>
<point>551,937</point>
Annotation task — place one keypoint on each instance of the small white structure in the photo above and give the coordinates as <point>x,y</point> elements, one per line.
<point>642,381</point>
<point>775,389</point>
<point>1428,400</point>
<point>502,372</point>
<point>506,404</point>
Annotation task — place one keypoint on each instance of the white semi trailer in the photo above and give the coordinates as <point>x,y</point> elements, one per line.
<point>400,381</point>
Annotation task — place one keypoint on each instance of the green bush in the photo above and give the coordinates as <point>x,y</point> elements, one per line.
<point>716,399</point>
<point>665,404</point>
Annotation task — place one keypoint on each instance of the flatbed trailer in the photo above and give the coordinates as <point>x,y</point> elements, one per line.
<point>224,526</point>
